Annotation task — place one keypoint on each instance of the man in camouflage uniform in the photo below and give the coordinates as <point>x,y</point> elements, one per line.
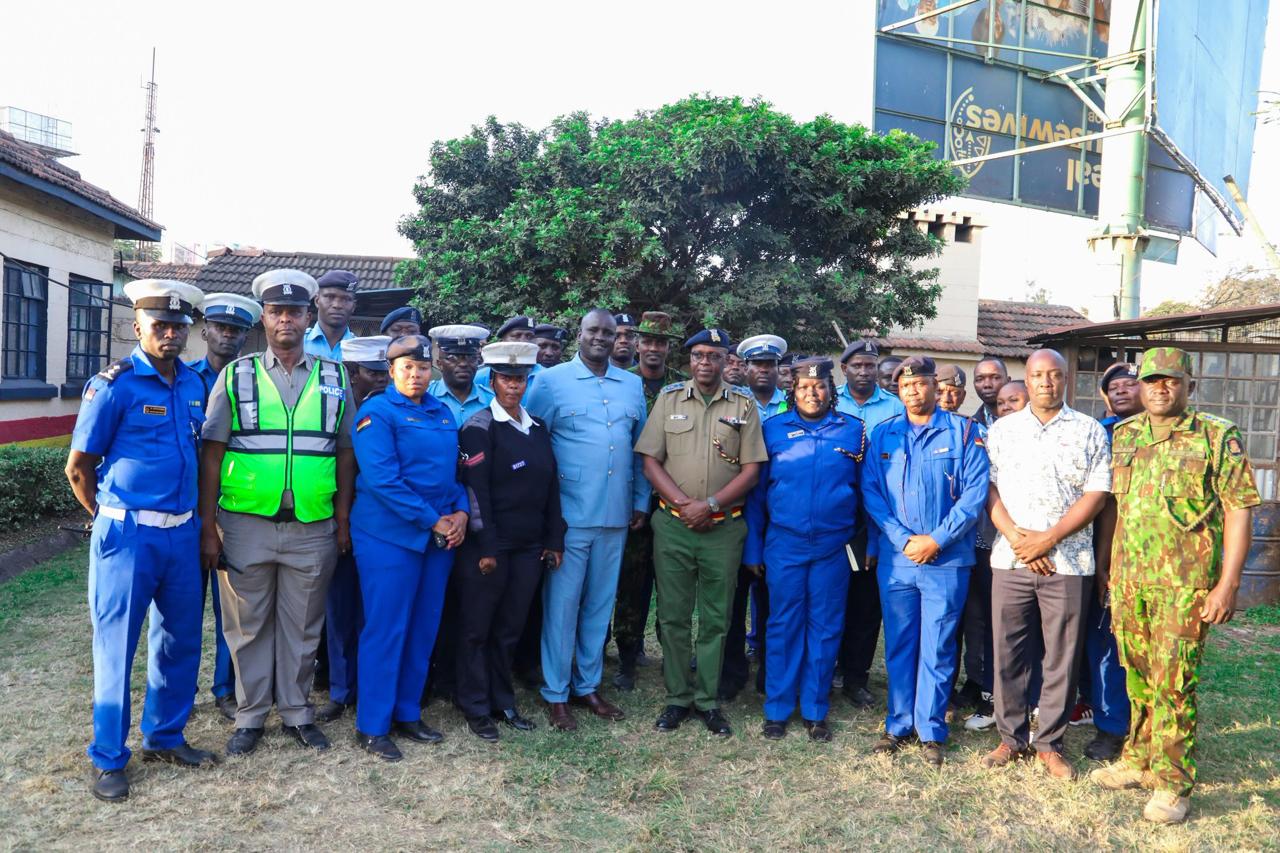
<point>635,581</point>
<point>1184,492</point>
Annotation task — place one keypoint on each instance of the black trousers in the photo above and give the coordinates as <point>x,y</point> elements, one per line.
<point>442,682</point>
<point>1024,607</point>
<point>492,610</point>
<point>976,637</point>
<point>527,660</point>
<point>861,621</point>
<point>736,669</point>
<point>635,591</point>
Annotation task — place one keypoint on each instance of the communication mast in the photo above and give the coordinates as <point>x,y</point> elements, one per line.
<point>146,188</point>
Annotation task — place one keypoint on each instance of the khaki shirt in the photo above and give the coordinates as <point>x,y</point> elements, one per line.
<point>1172,496</point>
<point>703,446</point>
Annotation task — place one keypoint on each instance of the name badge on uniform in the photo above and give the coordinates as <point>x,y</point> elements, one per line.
<point>677,417</point>
<point>942,450</point>
<point>195,403</point>
<point>332,390</point>
<point>795,433</point>
<point>155,410</point>
<point>411,419</point>
<point>517,466</point>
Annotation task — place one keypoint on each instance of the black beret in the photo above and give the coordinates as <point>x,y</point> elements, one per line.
<point>408,312</point>
<point>624,319</point>
<point>417,347</point>
<point>859,348</point>
<point>710,337</point>
<point>554,333</point>
<point>338,278</point>
<point>916,365</point>
<point>816,367</point>
<point>1118,369</point>
<point>517,322</point>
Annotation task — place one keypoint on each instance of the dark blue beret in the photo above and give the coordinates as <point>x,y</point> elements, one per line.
<point>408,312</point>
<point>710,337</point>
<point>550,332</point>
<point>816,367</point>
<point>916,365</point>
<point>859,348</point>
<point>416,347</point>
<point>338,278</point>
<point>519,322</point>
<point>625,319</point>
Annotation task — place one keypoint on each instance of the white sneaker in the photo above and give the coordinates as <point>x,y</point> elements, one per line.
<point>979,722</point>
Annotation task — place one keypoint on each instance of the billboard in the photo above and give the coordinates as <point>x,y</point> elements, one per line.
<point>985,92</point>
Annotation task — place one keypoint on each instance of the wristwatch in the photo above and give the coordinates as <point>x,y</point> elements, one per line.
<point>713,503</point>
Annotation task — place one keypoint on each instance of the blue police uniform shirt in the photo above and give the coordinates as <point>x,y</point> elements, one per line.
<point>1109,424</point>
<point>811,484</point>
<point>775,403</point>
<point>595,421</point>
<point>315,343</point>
<point>207,375</point>
<point>927,482</point>
<point>147,433</point>
<point>408,468</point>
<point>880,406</point>
<point>478,399</point>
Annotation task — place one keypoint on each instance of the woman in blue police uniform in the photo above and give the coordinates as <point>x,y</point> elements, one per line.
<point>133,467</point>
<point>409,515</point>
<point>799,518</point>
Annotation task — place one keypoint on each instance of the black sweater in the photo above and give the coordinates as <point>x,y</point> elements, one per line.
<point>513,485</point>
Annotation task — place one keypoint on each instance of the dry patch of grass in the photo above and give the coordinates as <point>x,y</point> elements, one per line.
<point>610,786</point>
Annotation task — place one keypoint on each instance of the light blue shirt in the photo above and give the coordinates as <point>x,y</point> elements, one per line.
<point>594,423</point>
<point>774,405</point>
<point>462,409</point>
<point>315,343</point>
<point>880,406</point>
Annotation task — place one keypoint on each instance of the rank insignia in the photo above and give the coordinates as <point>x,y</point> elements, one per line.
<point>364,422</point>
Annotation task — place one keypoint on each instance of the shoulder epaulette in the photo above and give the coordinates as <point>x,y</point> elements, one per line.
<point>742,392</point>
<point>482,419</point>
<point>1216,420</point>
<point>1128,420</point>
<point>114,371</point>
<point>674,386</point>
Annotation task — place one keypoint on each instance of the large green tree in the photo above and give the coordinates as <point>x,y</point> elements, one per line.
<point>718,210</point>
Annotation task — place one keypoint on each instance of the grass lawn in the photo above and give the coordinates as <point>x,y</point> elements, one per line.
<point>607,786</point>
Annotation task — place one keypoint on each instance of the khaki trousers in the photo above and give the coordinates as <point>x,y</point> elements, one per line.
<point>273,611</point>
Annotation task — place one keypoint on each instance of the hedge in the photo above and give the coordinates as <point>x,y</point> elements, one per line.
<point>33,484</point>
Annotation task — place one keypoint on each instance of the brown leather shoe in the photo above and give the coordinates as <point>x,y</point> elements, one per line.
<point>1002,756</point>
<point>599,706</point>
<point>561,717</point>
<point>1056,765</point>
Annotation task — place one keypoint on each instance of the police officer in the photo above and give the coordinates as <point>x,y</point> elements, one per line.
<point>925,484</point>
<point>624,343</point>
<point>798,520</point>
<point>1184,491</point>
<point>951,387</point>
<point>133,467</point>
<point>276,480</point>
<point>228,317</point>
<point>635,581</point>
<point>760,353</point>
<point>702,451</point>
<point>335,302</point>
<point>550,340</point>
<point>509,471</point>
<point>886,372</point>
<point>784,371</point>
<point>409,515</point>
<point>457,387</point>
<point>405,320</point>
<point>366,363</point>
<point>520,328</point>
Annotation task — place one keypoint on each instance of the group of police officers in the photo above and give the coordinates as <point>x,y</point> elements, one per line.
<point>323,490</point>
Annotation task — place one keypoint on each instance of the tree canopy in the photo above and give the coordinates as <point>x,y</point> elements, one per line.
<point>1239,288</point>
<point>718,210</point>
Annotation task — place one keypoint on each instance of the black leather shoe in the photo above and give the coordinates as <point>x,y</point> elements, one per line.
<point>308,735</point>
<point>671,718</point>
<point>243,741</point>
<point>774,729</point>
<point>512,717</point>
<point>227,705</point>
<point>1104,747</point>
<point>484,728</point>
<point>728,691</point>
<point>860,697</point>
<point>379,745</point>
<point>716,722</point>
<point>625,678</point>
<point>184,756</point>
<point>417,730</point>
<point>111,786</point>
<point>889,744</point>
<point>933,753</point>
<point>818,730</point>
<point>330,711</point>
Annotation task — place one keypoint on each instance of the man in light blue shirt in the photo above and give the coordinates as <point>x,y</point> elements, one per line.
<point>595,413</point>
<point>861,395</point>
<point>459,357</point>
<point>335,302</point>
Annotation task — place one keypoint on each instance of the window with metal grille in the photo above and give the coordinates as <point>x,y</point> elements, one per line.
<point>26,299</point>
<point>88,328</point>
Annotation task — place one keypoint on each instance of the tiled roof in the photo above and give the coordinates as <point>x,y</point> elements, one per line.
<point>1004,328</point>
<point>32,163</point>
<point>233,270</point>
<point>155,269</point>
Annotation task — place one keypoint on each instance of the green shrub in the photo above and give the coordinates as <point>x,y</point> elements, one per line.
<point>33,484</point>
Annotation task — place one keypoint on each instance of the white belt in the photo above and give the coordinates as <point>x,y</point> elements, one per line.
<point>147,517</point>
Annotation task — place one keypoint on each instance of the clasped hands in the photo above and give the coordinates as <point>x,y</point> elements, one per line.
<point>696,515</point>
<point>453,527</point>
<point>1032,547</point>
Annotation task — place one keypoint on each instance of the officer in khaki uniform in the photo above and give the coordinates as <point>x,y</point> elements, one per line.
<point>1184,494</point>
<point>703,448</point>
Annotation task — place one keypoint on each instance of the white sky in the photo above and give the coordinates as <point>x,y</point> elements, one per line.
<point>302,126</point>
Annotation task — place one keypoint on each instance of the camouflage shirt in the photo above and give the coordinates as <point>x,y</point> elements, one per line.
<point>653,386</point>
<point>1172,495</point>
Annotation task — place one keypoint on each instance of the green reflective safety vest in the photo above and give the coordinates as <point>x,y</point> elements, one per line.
<point>274,448</point>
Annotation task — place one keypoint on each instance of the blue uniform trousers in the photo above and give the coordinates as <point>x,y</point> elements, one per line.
<point>806,623</point>
<point>131,568</point>
<point>403,595</point>
<point>922,607</point>
<point>577,601</point>
<point>343,621</point>
<point>224,674</point>
<point>1108,694</point>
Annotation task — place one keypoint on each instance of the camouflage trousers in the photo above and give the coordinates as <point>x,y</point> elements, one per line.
<point>635,590</point>
<point>1161,638</point>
